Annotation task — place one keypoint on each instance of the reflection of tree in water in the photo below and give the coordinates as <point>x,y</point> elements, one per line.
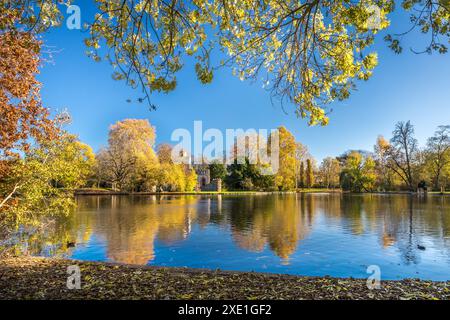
<point>390,216</point>
<point>278,221</point>
<point>248,221</point>
<point>400,220</point>
<point>252,240</point>
<point>428,217</point>
<point>413,218</point>
<point>130,225</point>
<point>444,219</point>
<point>51,236</point>
<point>176,218</point>
<point>408,242</point>
<point>136,222</point>
<point>352,214</point>
<point>45,239</point>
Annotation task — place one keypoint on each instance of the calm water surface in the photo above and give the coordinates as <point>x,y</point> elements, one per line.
<point>312,234</point>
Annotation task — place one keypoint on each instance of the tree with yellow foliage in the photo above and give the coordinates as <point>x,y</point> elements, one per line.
<point>438,155</point>
<point>44,179</point>
<point>309,53</point>
<point>174,176</point>
<point>385,176</point>
<point>285,177</point>
<point>129,157</point>
<point>329,172</point>
<point>358,174</point>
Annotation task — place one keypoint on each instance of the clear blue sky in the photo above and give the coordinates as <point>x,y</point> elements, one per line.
<point>404,87</point>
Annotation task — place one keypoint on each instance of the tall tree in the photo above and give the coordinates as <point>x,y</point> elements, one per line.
<point>164,152</point>
<point>301,154</point>
<point>381,153</point>
<point>309,174</point>
<point>285,177</point>
<point>403,153</point>
<point>129,154</point>
<point>330,170</point>
<point>302,175</point>
<point>438,153</point>
<point>358,174</point>
<point>217,170</point>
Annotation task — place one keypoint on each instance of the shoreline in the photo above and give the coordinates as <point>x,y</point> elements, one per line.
<point>46,278</point>
<point>194,193</point>
<point>201,193</point>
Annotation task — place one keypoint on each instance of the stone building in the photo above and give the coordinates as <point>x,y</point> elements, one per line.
<point>203,175</point>
<point>204,182</point>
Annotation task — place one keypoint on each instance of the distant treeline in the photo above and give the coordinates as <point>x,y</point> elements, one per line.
<point>129,163</point>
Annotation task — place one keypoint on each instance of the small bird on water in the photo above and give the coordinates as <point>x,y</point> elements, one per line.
<point>70,244</point>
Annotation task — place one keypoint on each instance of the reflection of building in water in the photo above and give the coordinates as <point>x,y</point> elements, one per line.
<point>175,223</point>
<point>206,207</point>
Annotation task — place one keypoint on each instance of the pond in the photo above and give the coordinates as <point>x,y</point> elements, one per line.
<point>304,234</point>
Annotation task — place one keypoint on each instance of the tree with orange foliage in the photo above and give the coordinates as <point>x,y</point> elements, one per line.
<point>22,115</point>
<point>23,119</point>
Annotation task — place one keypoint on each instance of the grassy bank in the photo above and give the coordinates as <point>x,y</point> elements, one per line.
<point>96,192</point>
<point>41,278</point>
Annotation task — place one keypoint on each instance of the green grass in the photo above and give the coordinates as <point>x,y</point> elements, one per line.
<point>94,191</point>
<point>230,192</point>
<point>314,190</point>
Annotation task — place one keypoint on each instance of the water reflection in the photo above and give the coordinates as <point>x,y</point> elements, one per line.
<point>129,226</point>
<point>291,231</point>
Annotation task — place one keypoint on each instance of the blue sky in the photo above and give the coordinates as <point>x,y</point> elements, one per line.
<point>404,87</point>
